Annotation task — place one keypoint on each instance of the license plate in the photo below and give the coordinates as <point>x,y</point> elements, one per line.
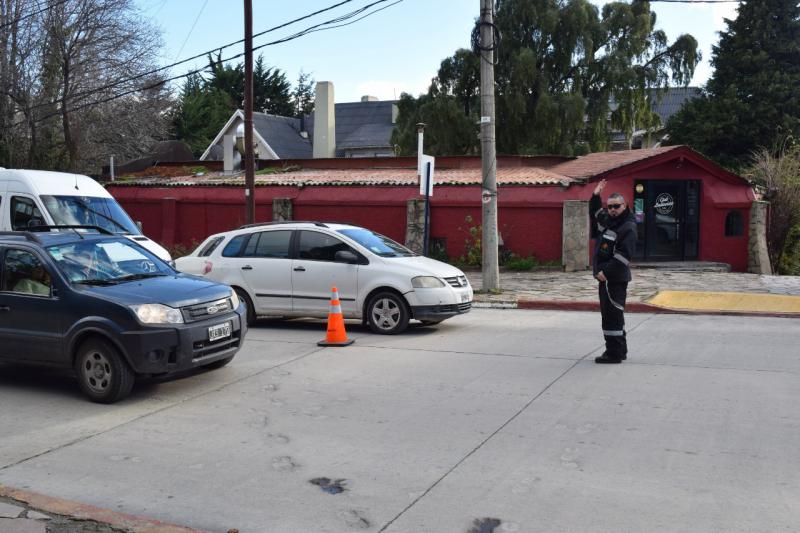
<point>220,331</point>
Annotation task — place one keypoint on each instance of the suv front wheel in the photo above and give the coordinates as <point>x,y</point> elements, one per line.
<point>103,374</point>
<point>387,313</point>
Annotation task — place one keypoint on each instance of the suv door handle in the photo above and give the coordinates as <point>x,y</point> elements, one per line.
<point>299,269</point>
<point>5,308</point>
<point>247,267</point>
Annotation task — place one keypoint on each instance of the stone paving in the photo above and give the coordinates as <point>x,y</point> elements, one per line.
<point>647,282</point>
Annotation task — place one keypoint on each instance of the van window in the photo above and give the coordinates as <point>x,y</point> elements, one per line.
<point>24,213</point>
<point>89,211</point>
<point>24,273</point>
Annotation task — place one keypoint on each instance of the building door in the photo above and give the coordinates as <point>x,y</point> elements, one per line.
<point>667,219</point>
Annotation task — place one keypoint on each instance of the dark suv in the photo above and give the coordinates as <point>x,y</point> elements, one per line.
<point>110,309</point>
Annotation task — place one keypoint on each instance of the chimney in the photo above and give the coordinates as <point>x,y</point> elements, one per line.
<point>368,98</point>
<point>228,142</point>
<point>324,121</point>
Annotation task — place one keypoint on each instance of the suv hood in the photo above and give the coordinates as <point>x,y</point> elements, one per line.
<point>175,291</point>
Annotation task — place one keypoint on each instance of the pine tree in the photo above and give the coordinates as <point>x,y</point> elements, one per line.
<point>752,100</point>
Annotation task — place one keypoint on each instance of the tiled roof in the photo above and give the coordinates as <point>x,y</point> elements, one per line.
<point>598,163</point>
<point>526,176</point>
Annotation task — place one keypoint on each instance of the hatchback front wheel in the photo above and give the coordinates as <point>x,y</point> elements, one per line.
<point>387,313</point>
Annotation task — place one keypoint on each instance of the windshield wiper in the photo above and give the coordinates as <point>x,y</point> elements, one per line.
<point>98,213</point>
<point>96,282</point>
<point>132,277</point>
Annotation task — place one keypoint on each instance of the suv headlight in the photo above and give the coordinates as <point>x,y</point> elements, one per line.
<point>157,314</point>
<point>234,300</point>
<point>426,282</point>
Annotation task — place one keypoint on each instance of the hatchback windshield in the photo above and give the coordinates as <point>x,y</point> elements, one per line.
<point>377,243</point>
<point>89,211</point>
<point>107,261</point>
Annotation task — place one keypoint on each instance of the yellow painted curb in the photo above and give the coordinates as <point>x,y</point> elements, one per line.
<point>740,302</point>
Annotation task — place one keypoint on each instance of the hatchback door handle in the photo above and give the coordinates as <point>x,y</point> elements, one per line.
<point>5,308</point>
<point>247,267</point>
<point>299,269</point>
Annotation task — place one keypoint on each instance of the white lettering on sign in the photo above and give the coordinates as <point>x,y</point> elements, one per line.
<point>664,204</point>
<point>486,120</point>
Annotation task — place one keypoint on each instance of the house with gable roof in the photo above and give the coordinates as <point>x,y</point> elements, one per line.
<point>351,129</point>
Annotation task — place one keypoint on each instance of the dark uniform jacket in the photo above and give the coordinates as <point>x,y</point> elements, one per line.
<point>616,241</point>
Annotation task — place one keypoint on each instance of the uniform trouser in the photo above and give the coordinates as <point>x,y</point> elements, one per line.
<point>612,305</point>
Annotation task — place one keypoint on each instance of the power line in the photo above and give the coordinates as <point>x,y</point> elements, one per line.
<point>29,15</point>
<point>191,29</point>
<point>81,95</point>
<point>297,35</point>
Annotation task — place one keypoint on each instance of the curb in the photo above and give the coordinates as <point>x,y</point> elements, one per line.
<point>84,512</point>
<point>641,307</point>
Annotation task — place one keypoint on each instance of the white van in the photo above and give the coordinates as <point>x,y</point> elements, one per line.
<point>37,197</point>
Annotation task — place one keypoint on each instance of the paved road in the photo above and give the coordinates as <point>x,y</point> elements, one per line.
<point>497,414</point>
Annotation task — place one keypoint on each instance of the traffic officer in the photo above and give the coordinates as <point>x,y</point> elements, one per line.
<point>615,230</point>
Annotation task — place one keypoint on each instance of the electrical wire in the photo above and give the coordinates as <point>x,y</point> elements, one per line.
<point>29,15</point>
<point>80,95</point>
<point>191,29</point>
<point>311,29</point>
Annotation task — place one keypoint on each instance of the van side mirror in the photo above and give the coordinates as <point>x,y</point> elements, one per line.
<point>345,256</point>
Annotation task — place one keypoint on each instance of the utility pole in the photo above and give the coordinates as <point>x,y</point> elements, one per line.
<point>249,160</point>
<point>491,269</point>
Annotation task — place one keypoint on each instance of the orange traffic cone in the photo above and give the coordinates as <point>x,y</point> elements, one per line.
<point>336,335</point>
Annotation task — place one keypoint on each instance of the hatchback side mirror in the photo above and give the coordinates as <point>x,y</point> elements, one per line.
<point>345,256</point>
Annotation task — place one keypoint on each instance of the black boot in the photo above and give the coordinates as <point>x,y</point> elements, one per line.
<point>608,359</point>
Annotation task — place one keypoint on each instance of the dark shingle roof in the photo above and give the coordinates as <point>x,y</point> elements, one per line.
<point>283,135</point>
<point>360,125</point>
<point>670,102</point>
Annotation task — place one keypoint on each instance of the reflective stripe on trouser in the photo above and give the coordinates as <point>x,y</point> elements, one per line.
<point>612,305</point>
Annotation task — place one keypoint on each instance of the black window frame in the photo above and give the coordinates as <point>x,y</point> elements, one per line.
<point>734,223</point>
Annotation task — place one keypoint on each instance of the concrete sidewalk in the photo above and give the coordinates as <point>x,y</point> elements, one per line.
<point>652,290</point>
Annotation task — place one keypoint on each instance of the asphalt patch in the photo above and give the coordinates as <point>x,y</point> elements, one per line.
<point>329,485</point>
<point>484,525</point>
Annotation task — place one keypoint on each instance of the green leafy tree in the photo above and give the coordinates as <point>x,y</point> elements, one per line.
<point>201,112</point>
<point>559,65</point>
<point>752,99</point>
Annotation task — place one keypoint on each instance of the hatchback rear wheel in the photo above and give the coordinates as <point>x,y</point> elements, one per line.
<point>387,313</point>
<point>103,374</point>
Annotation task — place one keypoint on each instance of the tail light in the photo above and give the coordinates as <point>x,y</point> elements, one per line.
<point>207,266</point>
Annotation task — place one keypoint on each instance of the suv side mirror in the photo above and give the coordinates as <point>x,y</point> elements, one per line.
<point>345,256</point>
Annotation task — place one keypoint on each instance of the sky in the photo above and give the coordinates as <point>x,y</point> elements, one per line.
<point>396,50</point>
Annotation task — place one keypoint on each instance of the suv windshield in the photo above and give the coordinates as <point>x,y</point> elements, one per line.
<point>107,261</point>
<point>377,243</point>
<point>89,211</point>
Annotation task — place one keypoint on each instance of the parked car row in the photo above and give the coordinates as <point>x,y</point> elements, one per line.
<point>81,288</point>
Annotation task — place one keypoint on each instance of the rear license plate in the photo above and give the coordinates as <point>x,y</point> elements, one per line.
<point>220,331</point>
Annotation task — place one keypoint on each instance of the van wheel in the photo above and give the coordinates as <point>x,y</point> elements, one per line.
<point>103,375</point>
<point>387,313</point>
<point>250,315</point>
